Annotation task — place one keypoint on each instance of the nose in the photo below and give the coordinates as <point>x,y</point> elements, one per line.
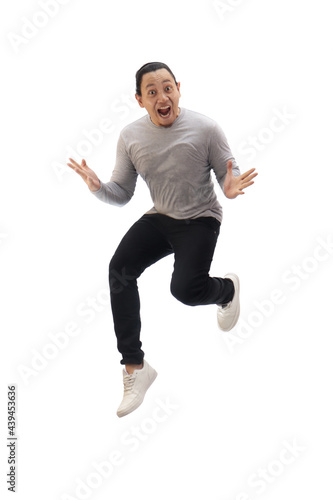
<point>163,98</point>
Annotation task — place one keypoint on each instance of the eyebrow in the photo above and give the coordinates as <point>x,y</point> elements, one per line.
<point>153,84</point>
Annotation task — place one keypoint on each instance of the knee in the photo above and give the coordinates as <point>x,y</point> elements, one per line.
<point>184,292</point>
<point>114,265</point>
<point>114,275</point>
<point>120,275</point>
<point>113,269</point>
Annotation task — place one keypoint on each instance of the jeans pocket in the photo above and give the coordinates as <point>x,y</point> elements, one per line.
<point>212,223</point>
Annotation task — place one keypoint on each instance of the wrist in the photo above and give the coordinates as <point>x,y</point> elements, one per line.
<point>95,187</point>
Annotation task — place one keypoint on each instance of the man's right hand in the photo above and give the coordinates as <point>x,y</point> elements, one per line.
<point>88,175</point>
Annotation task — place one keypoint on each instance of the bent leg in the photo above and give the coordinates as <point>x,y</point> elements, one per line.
<point>194,248</point>
<point>142,246</point>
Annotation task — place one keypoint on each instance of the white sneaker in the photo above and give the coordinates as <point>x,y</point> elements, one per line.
<point>228,315</point>
<point>136,385</point>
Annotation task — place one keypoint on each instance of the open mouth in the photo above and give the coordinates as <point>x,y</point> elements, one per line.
<point>165,111</point>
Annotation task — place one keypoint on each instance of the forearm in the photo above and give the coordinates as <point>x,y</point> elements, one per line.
<point>113,194</point>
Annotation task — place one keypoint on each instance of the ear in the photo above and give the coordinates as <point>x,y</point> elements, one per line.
<point>178,87</point>
<point>139,99</point>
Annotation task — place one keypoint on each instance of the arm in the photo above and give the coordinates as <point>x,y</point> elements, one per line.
<point>227,172</point>
<point>120,189</point>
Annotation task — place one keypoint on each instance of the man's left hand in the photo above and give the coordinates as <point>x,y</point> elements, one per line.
<point>233,186</point>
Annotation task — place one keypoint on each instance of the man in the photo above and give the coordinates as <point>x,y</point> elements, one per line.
<point>173,150</point>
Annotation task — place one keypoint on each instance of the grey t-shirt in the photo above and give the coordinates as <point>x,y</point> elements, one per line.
<point>176,164</point>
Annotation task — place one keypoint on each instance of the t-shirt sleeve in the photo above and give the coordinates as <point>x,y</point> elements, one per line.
<point>220,154</point>
<point>120,189</point>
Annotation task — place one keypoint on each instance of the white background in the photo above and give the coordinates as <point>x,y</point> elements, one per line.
<point>235,400</point>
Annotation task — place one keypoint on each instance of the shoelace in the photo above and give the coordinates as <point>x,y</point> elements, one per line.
<point>128,382</point>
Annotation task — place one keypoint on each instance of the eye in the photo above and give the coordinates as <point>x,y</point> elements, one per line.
<point>168,88</point>
<point>151,92</point>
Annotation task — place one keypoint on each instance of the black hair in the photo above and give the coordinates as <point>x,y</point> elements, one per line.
<point>148,68</point>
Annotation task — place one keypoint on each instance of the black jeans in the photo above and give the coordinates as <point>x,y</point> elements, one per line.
<point>151,238</point>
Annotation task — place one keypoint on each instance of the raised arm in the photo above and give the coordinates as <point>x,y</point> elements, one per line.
<point>227,172</point>
<point>120,189</point>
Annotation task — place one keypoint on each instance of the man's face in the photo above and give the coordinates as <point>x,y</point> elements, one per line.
<point>160,97</point>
